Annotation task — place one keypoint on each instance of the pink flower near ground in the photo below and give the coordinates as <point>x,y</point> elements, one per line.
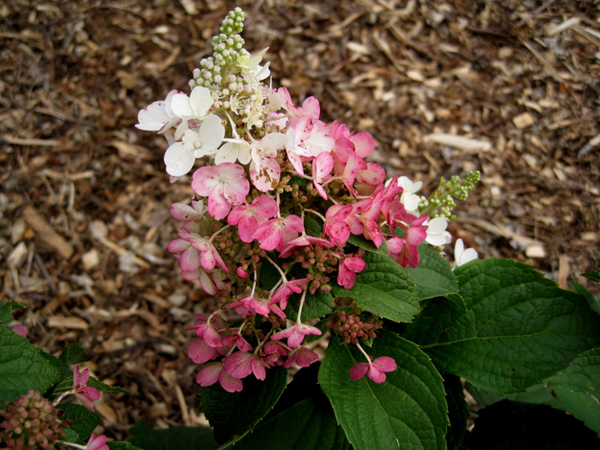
<point>277,233</point>
<point>240,365</point>
<point>282,293</point>
<point>348,269</point>
<point>322,167</point>
<point>302,356</point>
<point>97,442</point>
<point>296,333</point>
<point>249,217</point>
<point>375,370</point>
<point>224,185</point>
<point>86,393</point>
<point>215,371</point>
<point>20,329</point>
<point>200,352</point>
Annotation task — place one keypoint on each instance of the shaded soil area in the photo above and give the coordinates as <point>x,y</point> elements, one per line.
<point>508,88</point>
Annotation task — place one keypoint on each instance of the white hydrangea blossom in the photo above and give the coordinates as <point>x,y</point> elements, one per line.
<point>436,232</point>
<point>462,255</point>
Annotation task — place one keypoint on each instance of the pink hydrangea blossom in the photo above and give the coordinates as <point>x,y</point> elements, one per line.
<point>348,269</point>
<point>84,392</point>
<point>200,352</point>
<point>97,442</point>
<point>215,371</point>
<point>19,329</point>
<point>277,233</point>
<point>304,240</point>
<point>209,256</point>
<point>187,213</point>
<point>262,306</point>
<point>312,137</point>
<point>322,167</point>
<point>375,370</point>
<point>296,333</point>
<point>337,226</point>
<point>237,340</point>
<point>224,185</point>
<point>249,217</point>
<point>282,294</point>
<point>241,364</point>
<point>302,356</point>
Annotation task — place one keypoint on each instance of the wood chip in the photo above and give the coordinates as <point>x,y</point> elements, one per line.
<point>467,144</point>
<point>523,120</point>
<point>106,411</point>
<point>552,29</point>
<point>72,323</point>
<point>535,251</point>
<point>46,233</point>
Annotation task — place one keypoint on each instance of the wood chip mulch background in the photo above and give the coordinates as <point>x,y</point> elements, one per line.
<point>84,197</point>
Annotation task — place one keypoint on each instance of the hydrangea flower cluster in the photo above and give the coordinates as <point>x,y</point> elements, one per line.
<point>32,421</point>
<point>279,200</point>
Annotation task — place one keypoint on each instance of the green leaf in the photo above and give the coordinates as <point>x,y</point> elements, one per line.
<point>384,288</point>
<point>117,445</point>
<point>578,288</point>
<point>315,306</point>
<point>74,354</point>
<point>235,413</point>
<point>516,426</point>
<point>6,309</point>
<point>408,411</point>
<point>269,276</point>
<point>103,387</point>
<point>22,367</point>
<point>174,438</point>
<point>309,424</point>
<point>82,421</point>
<point>361,242</point>
<point>313,227</point>
<point>457,411</point>
<point>579,404</point>
<point>520,328</point>
<point>593,275</point>
<point>433,276</point>
<point>582,406</point>
<point>582,375</point>
<point>67,384</point>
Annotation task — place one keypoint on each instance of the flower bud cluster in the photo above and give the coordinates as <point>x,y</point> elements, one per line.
<point>441,202</point>
<point>277,202</point>
<point>30,422</point>
<point>353,325</point>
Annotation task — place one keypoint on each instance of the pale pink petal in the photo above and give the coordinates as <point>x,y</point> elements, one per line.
<point>364,144</point>
<point>200,352</point>
<point>229,383</point>
<point>97,442</point>
<point>385,364</point>
<point>239,364</point>
<point>375,375</point>
<point>209,374</point>
<point>359,370</point>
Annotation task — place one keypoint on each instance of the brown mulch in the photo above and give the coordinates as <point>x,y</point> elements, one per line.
<point>84,197</point>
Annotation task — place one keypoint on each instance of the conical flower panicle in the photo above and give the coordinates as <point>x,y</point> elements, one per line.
<point>278,197</point>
